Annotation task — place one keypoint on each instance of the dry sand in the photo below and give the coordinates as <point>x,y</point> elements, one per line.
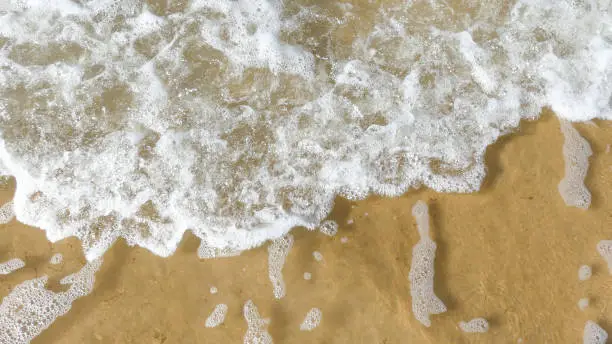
<point>509,253</point>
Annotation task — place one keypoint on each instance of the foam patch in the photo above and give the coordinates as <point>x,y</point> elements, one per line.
<point>576,152</point>
<point>312,320</point>
<point>277,254</point>
<point>421,276</point>
<point>217,317</point>
<point>11,265</point>
<point>256,331</point>
<point>30,307</point>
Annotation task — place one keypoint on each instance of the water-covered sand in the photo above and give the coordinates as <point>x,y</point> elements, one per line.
<point>509,253</point>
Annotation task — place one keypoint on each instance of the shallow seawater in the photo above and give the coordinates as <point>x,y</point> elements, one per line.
<point>144,122</point>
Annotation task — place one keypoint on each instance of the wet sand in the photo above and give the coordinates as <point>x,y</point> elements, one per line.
<point>509,253</point>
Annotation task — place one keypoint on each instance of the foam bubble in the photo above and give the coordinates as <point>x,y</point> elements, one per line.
<point>56,259</point>
<point>584,272</point>
<point>11,265</point>
<point>317,256</point>
<point>217,317</point>
<point>312,320</point>
<point>583,303</point>
<point>307,276</point>
<point>421,275</point>
<point>213,290</point>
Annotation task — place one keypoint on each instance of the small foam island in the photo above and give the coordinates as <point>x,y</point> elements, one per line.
<point>329,228</point>
<point>583,303</point>
<point>277,254</point>
<point>312,320</point>
<point>11,265</point>
<point>421,276</point>
<point>576,152</point>
<point>307,276</point>
<point>317,256</point>
<point>584,273</point>
<point>217,317</point>
<point>256,331</point>
<point>604,248</point>
<point>56,259</point>
<point>593,334</point>
<point>476,325</point>
<point>7,212</point>
<point>30,307</point>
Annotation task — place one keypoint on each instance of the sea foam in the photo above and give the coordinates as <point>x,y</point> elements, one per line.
<point>240,119</point>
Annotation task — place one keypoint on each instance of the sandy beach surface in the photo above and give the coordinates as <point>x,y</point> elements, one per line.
<point>509,253</point>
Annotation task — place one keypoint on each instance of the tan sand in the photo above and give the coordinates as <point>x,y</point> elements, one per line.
<point>509,253</point>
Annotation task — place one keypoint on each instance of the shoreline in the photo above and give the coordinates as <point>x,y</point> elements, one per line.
<point>519,272</point>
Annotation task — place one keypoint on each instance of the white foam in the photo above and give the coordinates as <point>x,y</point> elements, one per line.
<point>318,256</point>
<point>217,317</point>
<point>312,320</point>
<point>584,272</point>
<point>213,290</point>
<point>6,212</point>
<point>238,121</point>
<point>344,240</point>
<point>277,254</point>
<point>593,334</point>
<point>583,303</point>
<point>256,331</point>
<point>30,307</point>
<point>56,259</point>
<point>476,325</point>
<point>604,248</point>
<point>11,265</point>
<point>329,228</point>
<point>307,276</point>
<point>576,152</point>
<point>421,276</point>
